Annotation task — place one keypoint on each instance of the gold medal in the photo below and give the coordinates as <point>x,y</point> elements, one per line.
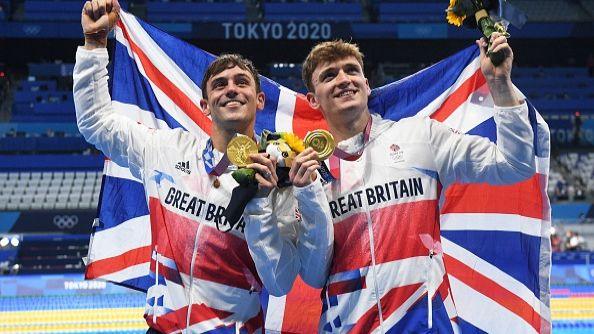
<point>321,141</point>
<point>239,150</point>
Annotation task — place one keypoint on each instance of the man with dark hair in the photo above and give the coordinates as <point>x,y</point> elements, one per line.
<point>385,201</point>
<point>211,278</point>
<point>227,61</point>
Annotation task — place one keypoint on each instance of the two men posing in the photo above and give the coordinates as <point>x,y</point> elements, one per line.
<point>350,252</point>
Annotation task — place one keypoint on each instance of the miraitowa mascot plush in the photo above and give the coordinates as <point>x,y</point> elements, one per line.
<point>282,147</point>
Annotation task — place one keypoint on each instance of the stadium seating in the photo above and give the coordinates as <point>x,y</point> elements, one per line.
<point>37,85</point>
<point>32,129</point>
<point>348,12</point>
<point>48,253</point>
<point>556,179</point>
<point>553,11</point>
<point>55,10</point>
<point>580,167</point>
<point>554,82</point>
<point>411,11</point>
<point>157,11</point>
<point>39,98</point>
<point>52,10</point>
<point>49,190</point>
<point>28,96</point>
<point>281,10</point>
<point>570,178</point>
<point>43,144</point>
<point>564,83</point>
<point>51,70</point>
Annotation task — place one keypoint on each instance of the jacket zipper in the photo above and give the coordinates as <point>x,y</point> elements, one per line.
<point>372,249</point>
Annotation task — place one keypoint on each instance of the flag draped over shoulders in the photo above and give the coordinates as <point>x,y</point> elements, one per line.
<point>495,239</point>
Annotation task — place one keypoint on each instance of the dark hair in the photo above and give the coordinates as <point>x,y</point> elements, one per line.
<point>227,61</point>
<point>326,52</point>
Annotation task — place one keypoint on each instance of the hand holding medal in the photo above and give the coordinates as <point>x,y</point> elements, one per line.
<point>239,150</point>
<point>254,168</point>
<point>322,142</point>
<point>319,145</point>
<point>283,148</point>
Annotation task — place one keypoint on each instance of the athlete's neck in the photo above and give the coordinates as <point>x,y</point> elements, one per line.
<point>343,128</point>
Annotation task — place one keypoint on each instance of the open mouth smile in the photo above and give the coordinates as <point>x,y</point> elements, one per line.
<point>348,92</point>
<point>232,103</point>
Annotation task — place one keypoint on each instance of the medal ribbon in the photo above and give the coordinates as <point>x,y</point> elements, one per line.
<point>208,158</point>
<point>332,171</point>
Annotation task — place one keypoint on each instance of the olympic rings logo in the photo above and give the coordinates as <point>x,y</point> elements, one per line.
<point>65,221</point>
<point>32,30</point>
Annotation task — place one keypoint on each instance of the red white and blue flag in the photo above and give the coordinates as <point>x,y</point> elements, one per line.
<point>495,239</point>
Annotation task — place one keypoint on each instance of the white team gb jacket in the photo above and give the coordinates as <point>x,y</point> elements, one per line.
<point>383,278</point>
<point>210,278</point>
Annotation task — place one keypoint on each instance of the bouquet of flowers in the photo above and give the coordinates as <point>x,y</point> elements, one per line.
<point>475,13</point>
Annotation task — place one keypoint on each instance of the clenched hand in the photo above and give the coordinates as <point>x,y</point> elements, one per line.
<point>97,19</point>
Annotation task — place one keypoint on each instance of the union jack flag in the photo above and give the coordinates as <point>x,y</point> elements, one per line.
<point>495,239</point>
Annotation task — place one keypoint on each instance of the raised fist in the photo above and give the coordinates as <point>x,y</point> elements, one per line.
<point>97,19</point>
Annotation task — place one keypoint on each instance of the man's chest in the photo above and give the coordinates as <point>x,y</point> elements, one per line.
<point>183,187</point>
<point>389,173</point>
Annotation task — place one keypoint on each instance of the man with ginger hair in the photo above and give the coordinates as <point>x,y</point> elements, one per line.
<point>385,198</point>
<point>208,279</point>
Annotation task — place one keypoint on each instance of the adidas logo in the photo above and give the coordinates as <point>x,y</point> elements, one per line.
<point>183,166</point>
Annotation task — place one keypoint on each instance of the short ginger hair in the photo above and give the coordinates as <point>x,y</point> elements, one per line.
<point>326,52</point>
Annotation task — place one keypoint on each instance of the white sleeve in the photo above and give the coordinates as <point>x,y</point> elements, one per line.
<point>271,236</point>
<point>119,138</point>
<point>281,246</point>
<point>315,240</point>
<point>469,158</point>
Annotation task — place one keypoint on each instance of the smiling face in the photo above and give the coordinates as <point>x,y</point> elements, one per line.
<point>232,97</point>
<point>339,88</point>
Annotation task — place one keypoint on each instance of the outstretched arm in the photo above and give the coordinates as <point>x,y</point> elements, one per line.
<point>118,137</point>
<point>466,158</point>
<point>499,77</point>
